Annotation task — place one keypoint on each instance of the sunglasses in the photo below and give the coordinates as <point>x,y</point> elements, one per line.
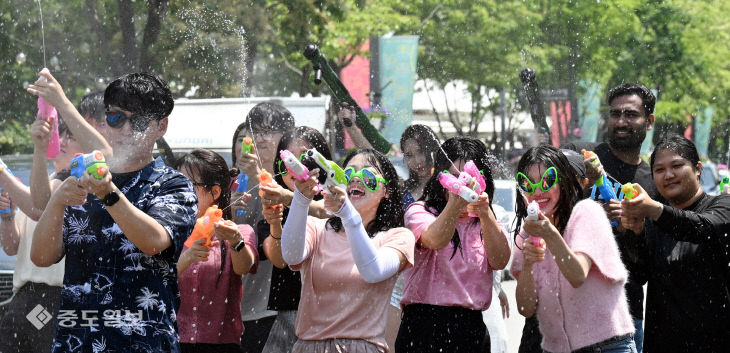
<point>282,167</point>
<point>547,182</point>
<point>137,122</point>
<point>367,177</point>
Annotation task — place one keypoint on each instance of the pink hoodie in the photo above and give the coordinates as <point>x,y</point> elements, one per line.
<point>572,318</point>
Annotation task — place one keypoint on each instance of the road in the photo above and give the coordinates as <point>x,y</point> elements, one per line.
<point>511,327</point>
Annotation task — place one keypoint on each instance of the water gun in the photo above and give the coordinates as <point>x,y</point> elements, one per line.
<point>471,169</point>
<point>296,169</point>
<point>93,162</point>
<point>724,184</point>
<point>629,191</point>
<point>205,226</point>
<point>5,210</point>
<point>48,113</point>
<point>457,186</point>
<point>533,209</point>
<point>602,184</point>
<point>335,174</point>
<point>247,145</point>
<point>242,182</point>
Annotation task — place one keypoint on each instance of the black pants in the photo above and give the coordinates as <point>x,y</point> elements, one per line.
<point>255,334</point>
<point>18,333</point>
<point>531,337</point>
<point>443,329</point>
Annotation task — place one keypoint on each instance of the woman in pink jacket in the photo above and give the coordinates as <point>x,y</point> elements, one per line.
<point>567,263</point>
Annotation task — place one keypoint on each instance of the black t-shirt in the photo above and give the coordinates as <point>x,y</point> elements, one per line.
<point>688,295</point>
<point>621,173</point>
<point>286,285</point>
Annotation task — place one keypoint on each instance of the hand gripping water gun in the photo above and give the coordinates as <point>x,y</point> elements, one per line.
<point>5,210</point>
<point>93,162</point>
<point>724,184</point>
<point>629,191</point>
<point>457,186</point>
<point>266,180</point>
<point>48,113</point>
<point>246,147</point>
<point>471,169</point>
<point>533,209</point>
<point>602,184</point>
<point>205,226</point>
<point>297,169</point>
<point>335,174</point>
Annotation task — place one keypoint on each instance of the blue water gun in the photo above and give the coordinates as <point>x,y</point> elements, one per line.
<point>242,182</point>
<point>604,186</point>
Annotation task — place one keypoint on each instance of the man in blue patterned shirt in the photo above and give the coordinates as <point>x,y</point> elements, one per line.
<point>121,235</point>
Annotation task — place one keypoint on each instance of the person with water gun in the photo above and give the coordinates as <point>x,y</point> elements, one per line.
<point>577,256</point>
<point>265,124</point>
<point>348,263</point>
<point>685,244</point>
<point>124,231</point>
<point>290,165</point>
<point>630,116</point>
<point>456,255</point>
<point>210,267</point>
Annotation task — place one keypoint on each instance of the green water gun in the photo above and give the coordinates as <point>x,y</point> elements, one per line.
<point>629,191</point>
<point>335,174</point>
<point>724,184</point>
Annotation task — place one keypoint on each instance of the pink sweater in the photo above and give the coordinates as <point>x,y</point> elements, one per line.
<point>571,318</point>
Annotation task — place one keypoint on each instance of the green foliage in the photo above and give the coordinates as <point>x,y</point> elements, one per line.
<point>15,138</point>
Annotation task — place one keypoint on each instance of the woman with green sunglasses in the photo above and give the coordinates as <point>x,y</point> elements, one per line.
<point>348,263</point>
<point>575,274</point>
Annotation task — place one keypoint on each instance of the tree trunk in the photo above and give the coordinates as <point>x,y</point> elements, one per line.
<point>251,51</point>
<point>93,15</point>
<point>156,12</point>
<point>129,44</point>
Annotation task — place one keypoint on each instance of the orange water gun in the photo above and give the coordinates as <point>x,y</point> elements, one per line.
<point>265,180</point>
<point>205,226</point>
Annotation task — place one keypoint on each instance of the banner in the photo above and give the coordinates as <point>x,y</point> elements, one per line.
<point>397,58</point>
<point>589,110</point>
<point>702,125</point>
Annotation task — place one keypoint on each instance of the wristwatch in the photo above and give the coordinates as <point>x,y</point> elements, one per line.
<point>111,198</point>
<point>239,246</point>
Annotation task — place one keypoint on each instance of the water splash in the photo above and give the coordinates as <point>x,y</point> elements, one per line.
<point>43,33</point>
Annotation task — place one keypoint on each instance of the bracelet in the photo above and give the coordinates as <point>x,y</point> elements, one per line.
<point>8,218</point>
<point>271,235</point>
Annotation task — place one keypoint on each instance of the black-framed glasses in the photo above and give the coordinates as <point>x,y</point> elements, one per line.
<point>137,122</point>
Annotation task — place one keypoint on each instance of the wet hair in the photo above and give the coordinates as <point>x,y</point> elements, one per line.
<point>679,145</point>
<point>312,137</point>
<point>465,149</point>
<point>92,106</point>
<point>212,170</point>
<point>63,127</point>
<point>571,190</point>
<point>426,140</point>
<point>269,116</point>
<point>627,89</point>
<point>390,210</point>
<point>140,93</point>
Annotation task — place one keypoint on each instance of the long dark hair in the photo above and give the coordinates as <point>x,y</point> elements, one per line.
<point>212,170</point>
<point>426,140</point>
<point>465,149</point>
<point>312,137</point>
<point>571,190</point>
<point>390,210</point>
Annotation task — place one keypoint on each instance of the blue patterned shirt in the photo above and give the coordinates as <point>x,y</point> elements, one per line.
<point>114,297</point>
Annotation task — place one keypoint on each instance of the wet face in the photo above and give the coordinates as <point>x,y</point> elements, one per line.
<point>296,147</point>
<point>675,177</point>
<point>205,196</point>
<point>69,148</point>
<point>128,142</point>
<point>416,160</point>
<point>627,122</point>
<point>266,142</point>
<point>547,200</point>
<point>365,201</point>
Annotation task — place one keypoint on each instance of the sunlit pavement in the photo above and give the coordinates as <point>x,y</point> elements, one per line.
<point>511,327</point>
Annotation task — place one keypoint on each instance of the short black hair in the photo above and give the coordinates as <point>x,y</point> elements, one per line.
<point>92,106</point>
<point>140,93</point>
<point>626,89</point>
<point>679,145</point>
<point>270,116</point>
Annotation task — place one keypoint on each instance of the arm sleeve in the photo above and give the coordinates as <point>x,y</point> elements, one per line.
<point>708,226</point>
<point>293,236</point>
<point>374,265</point>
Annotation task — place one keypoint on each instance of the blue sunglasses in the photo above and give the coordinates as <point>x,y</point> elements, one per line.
<point>137,122</point>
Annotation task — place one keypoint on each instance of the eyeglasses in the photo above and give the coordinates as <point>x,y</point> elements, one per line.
<point>367,177</point>
<point>137,122</point>
<point>548,181</point>
<point>282,167</point>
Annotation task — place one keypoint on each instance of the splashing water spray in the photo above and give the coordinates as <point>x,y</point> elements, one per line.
<point>46,111</point>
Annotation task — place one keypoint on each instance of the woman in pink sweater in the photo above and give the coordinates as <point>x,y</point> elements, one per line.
<point>569,271</point>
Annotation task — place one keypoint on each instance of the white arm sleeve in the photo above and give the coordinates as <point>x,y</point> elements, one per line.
<point>293,236</point>
<point>374,265</point>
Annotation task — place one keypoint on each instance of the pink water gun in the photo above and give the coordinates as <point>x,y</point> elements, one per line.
<point>292,164</point>
<point>471,169</point>
<point>457,186</point>
<point>48,113</point>
<point>533,209</point>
